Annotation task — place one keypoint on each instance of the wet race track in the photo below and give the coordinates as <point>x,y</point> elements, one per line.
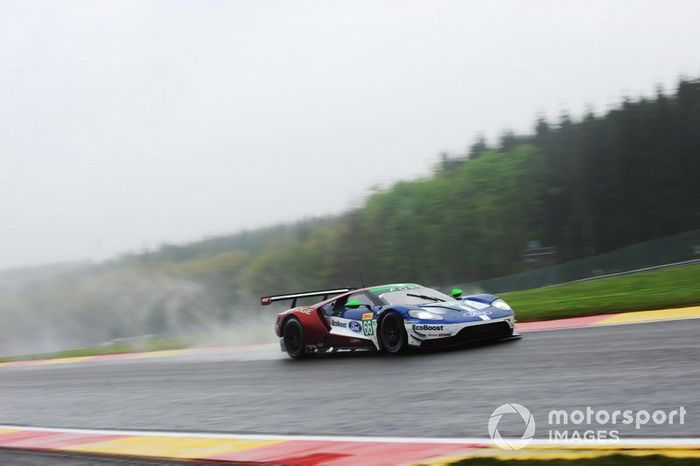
<point>442,394</point>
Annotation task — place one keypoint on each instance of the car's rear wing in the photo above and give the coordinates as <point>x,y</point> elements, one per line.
<point>265,300</point>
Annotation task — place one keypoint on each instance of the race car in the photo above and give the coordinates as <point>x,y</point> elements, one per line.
<point>389,318</point>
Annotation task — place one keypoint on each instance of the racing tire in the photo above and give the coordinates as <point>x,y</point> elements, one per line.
<point>392,333</point>
<point>293,335</point>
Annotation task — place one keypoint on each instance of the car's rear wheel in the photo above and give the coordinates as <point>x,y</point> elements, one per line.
<point>393,333</point>
<point>293,335</point>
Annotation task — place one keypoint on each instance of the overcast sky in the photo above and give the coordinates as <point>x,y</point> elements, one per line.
<point>124,124</point>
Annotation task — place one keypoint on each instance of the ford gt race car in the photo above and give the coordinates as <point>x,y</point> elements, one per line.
<point>389,318</point>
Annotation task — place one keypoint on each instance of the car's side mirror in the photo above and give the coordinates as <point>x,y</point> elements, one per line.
<point>353,304</point>
<point>456,293</point>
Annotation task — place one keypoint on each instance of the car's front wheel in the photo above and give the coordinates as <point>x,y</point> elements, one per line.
<point>393,333</point>
<point>293,335</point>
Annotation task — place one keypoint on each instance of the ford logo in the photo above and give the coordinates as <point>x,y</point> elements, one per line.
<point>355,326</point>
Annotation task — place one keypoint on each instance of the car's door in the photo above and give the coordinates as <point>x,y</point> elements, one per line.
<point>353,322</point>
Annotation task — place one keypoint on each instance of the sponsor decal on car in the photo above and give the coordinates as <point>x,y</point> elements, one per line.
<point>395,287</point>
<point>355,326</point>
<point>483,315</point>
<point>339,323</point>
<point>428,328</point>
<point>367,316</point>
<point>306,310</point>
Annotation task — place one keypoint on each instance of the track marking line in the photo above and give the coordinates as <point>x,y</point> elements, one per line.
<point>555,329</point>
<point>658,315</point>
<point>171,447</point>
<point>471,441</point>
<point>161,353</point>
<point>70,360</point>
<point>607,320</point>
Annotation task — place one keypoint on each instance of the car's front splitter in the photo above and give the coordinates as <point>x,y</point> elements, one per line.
<point>434,333</point>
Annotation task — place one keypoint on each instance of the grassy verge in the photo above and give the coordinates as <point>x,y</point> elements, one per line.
<point>119,348</point>
<point>673,287</point>
<point>612,460</point>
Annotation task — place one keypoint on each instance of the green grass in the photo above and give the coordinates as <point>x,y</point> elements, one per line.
<point>141,346</point>
<point>674,287</point>
<point>612,460</point>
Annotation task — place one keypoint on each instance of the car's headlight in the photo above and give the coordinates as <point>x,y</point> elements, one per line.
<point>500,304</point>
<point>425,315</point>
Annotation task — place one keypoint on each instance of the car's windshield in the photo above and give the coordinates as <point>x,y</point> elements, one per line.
<point>420,295</point>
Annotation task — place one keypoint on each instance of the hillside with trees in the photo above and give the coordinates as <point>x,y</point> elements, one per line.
<point>580,187</point>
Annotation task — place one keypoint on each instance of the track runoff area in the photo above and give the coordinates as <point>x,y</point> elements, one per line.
<point>349,450</point>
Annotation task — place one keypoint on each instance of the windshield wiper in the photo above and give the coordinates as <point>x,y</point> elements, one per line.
<point>422,296</point>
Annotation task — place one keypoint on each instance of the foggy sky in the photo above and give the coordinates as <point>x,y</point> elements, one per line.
<point>127,123</point>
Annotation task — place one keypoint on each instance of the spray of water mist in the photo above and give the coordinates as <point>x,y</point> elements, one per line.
<point>95,306</point>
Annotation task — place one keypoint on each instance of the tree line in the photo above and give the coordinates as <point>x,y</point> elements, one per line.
<point>581,187</point>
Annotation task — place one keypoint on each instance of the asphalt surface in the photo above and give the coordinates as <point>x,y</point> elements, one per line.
<point>450,393</point>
